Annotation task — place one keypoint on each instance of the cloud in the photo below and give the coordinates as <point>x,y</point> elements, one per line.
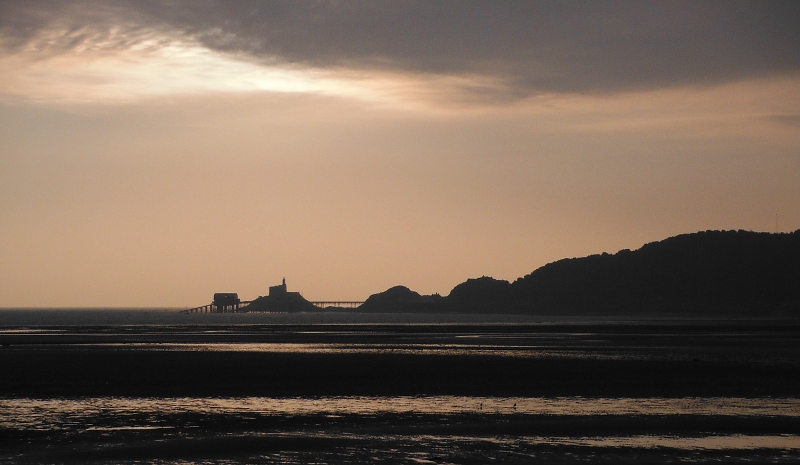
<point>496,51</point>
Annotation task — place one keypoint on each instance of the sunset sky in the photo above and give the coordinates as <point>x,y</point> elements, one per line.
<point>155,152</point>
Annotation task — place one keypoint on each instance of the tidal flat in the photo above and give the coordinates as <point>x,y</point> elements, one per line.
<point>414,392</point>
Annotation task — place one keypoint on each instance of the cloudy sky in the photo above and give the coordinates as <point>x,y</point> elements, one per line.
<point>155,152</point>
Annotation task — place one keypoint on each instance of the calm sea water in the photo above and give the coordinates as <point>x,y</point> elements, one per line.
<point>168,316</point>
<point>392,429</point>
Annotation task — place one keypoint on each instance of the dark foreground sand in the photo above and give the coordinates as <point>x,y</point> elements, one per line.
<point>616,361</point>
<point>68,371</point>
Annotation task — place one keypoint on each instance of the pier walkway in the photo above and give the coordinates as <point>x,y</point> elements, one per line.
<point>322,304</point>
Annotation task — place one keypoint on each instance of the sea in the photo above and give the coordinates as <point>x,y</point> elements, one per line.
<point>157,386</point>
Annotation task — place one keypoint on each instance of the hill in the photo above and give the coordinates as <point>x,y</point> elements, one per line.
<point>704,273</point>
<point>280,300</point>
<point>400,299</point>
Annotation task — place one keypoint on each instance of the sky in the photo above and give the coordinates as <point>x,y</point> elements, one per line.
<point>153,153</point>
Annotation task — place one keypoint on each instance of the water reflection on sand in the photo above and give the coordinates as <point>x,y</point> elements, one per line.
<point>408,349</point>
<point>401,429</point>
<point>43,413</point>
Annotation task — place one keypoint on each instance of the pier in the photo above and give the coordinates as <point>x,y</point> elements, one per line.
<point>338,304</point>
<point>322,304</point>
<point>224,302</point>
<point>279,299</point>
<point>211,308</point>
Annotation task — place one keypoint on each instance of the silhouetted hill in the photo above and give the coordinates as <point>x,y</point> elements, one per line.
<point>483,289</point>
<point>287,302</point>
<point>401,299</point>
<point>711,272</point>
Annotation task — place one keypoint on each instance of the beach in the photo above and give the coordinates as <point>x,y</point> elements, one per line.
<point>438,392</point>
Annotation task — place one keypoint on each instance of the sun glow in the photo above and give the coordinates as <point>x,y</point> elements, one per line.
<point>115,67</point>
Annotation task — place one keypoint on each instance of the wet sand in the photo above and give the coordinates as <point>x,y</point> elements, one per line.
<point>118,371</point>
<point>248,437</point>
<point>387,360</point>
<point>180,365</point>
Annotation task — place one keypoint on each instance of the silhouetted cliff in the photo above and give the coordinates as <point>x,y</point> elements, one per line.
<point>712,272</point>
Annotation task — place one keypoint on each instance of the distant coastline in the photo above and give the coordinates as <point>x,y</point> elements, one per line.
<point>705,274</point>
<point>709,273</point>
